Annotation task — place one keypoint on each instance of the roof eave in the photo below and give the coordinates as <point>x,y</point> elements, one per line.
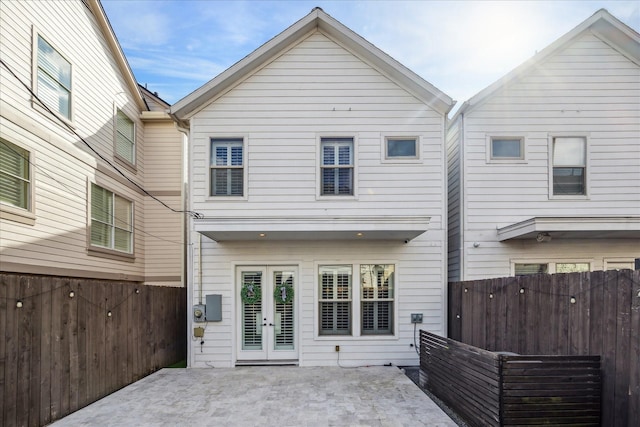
<point>316,20</point>
<point>116,49</point>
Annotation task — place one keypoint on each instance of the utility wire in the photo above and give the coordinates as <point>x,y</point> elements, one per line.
<point>73,193</point>
<point>72,130</point>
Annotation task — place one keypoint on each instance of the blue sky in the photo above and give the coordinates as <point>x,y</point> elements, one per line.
<point>175,46</point>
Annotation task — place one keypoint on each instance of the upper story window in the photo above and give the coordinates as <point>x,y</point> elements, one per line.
<point>336,166</point>
<point>377,298</point>
<point>507,148</point>
<point>53,79</point>
<point>15,176</point>
<point>401,148</point>
<point>125,137</point>
<point>111,220</point>
<point>227,167</point>
<point>335,300</point>
<point>569,165</point>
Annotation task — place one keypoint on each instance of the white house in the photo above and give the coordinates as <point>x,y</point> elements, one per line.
<point>544,164</point>
<point>317,163</point>
<point>83,154</point>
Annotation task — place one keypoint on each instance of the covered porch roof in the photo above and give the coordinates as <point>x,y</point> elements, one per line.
<point>398,228</point>
<point>545,228</point>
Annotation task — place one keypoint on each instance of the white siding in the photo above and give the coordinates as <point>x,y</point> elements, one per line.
<point>55,239</point>
<point>318,88</point>
<point>586,89</point>
<point>454,178</point>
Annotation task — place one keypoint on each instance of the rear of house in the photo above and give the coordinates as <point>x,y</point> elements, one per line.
<point>317,167</point>
<point>544,165</point>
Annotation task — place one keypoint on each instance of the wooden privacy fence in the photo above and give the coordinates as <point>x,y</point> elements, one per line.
<point>492,389</point>
<point>65,343</point>
<point>592,313</point>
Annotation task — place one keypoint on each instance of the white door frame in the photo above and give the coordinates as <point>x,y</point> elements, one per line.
<point>267,352</point>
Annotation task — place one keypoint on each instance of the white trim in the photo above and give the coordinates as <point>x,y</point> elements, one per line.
<point>587,165</point>
<point>319,195</point>
<point>16,213</point>
<point>384,158</point>
<point>505,160</point>
<point>245,165</point>
<point>551,262</point>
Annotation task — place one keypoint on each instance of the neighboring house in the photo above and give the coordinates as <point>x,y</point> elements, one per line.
<point>318,165</point>
<point>82,152</point>
<point>544,165</point>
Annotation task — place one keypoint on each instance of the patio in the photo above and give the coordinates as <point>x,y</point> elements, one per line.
<point>266,396</point>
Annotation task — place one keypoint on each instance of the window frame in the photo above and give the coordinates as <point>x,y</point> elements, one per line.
<point>585,167</point>
<point>384,148</point>
<point>335,301</point>
<point>235,138</point>
<point>326,139</point>
<point>110,252</point>
<point>376,300</point>
<point>132,164</point>
<point>16,213</point>
<point>37,35</point>
<point>552,264</point>
<point>490,158</point>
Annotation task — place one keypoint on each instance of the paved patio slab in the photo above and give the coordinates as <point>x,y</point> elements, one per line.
<point>266,396</point>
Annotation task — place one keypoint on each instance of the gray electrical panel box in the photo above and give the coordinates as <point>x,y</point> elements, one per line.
<point>214,308</point>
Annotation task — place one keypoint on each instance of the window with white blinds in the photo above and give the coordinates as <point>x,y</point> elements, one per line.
<point>336,166</point>
<point>111,220</point>
<point>377,298</point>
<point>569,166</point>
<point>125,137</point>
<point>15,175</point>
<point>335,299</point>
<point>227,167</point>
<point>54,79</point>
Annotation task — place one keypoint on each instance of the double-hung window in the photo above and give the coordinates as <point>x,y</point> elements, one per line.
<point>111,220</point>
<point>227,167</point>
<point>377,298</point>
<point>53,79</point>
<point>335,300</point>
<point>15,176</point>
<point>125,137</point>
<point>569,166</point>
<point>336,166</point>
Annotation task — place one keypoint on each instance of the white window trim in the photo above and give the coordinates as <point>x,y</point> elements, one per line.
<point>319,195</point>
<point>123,160</point>
<point>15,213</point>
<point>607,261</point>
<point>383,149</point>
<point>509,160</point>
<point>587,166</point>
<point>245,166</point>
<point>356,300</point>
<point>37,105</point>
<point>551,263</point>
<point>108,252</point>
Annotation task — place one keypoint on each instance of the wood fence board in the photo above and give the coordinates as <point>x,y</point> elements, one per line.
<point>609,318</point>
<point>621,356</point>
<point>4,301</point>
<point>23,342</point>
<point>11,359</point>
<point>79,288</point>
<point>74,351</point>
<point>46,313</point>
<point>634,350</point>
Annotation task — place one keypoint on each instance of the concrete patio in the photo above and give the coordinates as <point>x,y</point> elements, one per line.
<point>266,396</point>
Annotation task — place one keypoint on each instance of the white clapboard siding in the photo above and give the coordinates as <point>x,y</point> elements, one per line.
<point>333,93</point>
<point>454,178</point>
<point>587,88</point>
<point>56,240</point>
<point>318,88</point>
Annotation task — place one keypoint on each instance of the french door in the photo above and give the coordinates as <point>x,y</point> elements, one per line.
<point>267,314</point>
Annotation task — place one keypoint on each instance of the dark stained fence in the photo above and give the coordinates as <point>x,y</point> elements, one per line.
<point>596,313</point>
<point>492,389</point>
<point>74,341</point>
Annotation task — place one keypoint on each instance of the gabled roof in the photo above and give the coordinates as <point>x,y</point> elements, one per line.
<point>101,17</point>
<point>602,24</point>
<point>316,20</point>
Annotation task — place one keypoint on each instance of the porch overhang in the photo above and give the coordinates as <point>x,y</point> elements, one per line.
<point>404,228</point>
<point>546,228</point>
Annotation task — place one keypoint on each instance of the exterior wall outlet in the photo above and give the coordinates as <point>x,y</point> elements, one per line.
<point>337,348</point>
<point>416,317</point>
